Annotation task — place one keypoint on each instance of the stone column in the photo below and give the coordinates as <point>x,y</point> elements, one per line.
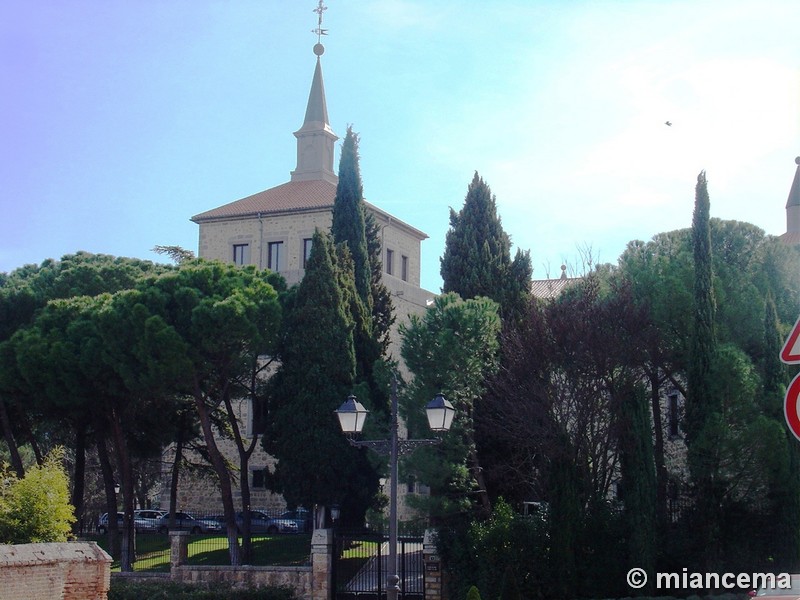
<point>178,548</point>
<point>432,565</point>
<point>322,549</point>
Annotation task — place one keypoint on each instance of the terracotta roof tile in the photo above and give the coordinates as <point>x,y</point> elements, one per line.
<point>288,197</point>
<point>550,288</point>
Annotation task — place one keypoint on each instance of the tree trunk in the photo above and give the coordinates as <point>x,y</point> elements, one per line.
<point>658,449</point>
<point>79,477</point>
<point>244,480</point>
<point>8,435</point>
<point>221,468</point>
<point>128,554</point>
<point>173,484</point>
<point>111,496</point>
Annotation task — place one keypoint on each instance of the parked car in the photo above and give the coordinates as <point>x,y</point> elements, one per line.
<point>139,525</point>
<point>186,522</point>
<point>261,522</point>
<point>766,593</point>
<point>301,516</point>
<point>148,518</point>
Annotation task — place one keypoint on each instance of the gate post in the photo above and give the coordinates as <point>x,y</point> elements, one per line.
<point>322,549</point>
<point>432,565</point>
<point>178,548</point>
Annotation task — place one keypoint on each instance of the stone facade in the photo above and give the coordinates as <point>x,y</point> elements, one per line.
<point>57,571</point>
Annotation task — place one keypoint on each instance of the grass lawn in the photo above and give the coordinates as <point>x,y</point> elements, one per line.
<point>152,550</point>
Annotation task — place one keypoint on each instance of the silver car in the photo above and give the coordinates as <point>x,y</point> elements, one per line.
<point>186,522</point>
<point>261,522</point>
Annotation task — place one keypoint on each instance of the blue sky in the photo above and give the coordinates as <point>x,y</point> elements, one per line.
<point>119,120</point>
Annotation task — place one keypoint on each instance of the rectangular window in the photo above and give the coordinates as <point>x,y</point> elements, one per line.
<point>259,479</point>
<point>275,256</point>
<point>306,250</point>
<point>404,268</point>
<point>389,261</point>
<point>241,254</point>
<point>258,416</point>
<point>672,415</point>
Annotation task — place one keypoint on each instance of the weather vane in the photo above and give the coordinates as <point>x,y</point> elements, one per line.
<point>321,8</point>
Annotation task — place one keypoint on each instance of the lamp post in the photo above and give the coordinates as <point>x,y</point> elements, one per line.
<point>352,416</point>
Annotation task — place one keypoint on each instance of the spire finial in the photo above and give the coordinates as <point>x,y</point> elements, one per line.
<point>319,49</point>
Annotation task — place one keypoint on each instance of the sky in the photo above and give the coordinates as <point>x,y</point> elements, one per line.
<point>121,119</point>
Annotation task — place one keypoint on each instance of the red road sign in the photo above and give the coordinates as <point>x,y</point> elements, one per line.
<point>791,349</point>
<point>791,406</point>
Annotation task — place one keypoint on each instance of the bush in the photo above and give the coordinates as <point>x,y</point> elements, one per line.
<point>168,590</point>
<point>473,594</point>
<point>479,553</point>
<point>36,508</point>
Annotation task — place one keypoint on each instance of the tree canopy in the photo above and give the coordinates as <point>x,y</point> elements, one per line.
<point>477,255</point>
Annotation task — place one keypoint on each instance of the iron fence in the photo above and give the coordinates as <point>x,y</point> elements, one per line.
<point>208,541</point>
<point>360,565</point>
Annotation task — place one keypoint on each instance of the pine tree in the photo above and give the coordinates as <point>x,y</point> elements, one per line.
<point>477,256</point>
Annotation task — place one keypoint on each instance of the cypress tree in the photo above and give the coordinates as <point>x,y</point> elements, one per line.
<point>477,256</point>
<point>702,408</point>
<point>316,375</point>
<point>784,484</point>
<point>700,403</point>
<point>382,311</point>
<point>371,307</point>
<point>638,478</point>
<point>348,215</point>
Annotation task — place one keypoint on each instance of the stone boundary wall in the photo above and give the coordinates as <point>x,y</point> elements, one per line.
<point>312,582</point>
<point>296,578</point>
<point>54,571</point>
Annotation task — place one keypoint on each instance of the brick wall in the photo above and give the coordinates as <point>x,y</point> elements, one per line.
<point>58,571</point>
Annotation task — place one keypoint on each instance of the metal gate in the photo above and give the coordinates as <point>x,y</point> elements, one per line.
<point>360,566</point>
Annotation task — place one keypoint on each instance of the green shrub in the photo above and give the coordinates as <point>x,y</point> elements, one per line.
<point>36,508</point>
<point>168,590</point>
<point>473,594</point>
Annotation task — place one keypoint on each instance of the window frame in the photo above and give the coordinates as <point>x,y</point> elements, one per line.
<point>279,259</point>
<point>389,261</point>
<point>241,254</point>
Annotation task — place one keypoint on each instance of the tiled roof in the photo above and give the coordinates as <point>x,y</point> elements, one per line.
<point>551,288</point>
<point>294,196</point>
<point>791,237</point>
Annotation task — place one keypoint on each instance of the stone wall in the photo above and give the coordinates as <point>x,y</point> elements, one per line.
<point>56,571</point>
<point>312,582</point>
<point>309,583</point>
<point>296,578</point>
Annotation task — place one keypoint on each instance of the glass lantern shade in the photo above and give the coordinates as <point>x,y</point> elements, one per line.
<point>440,413</point>
<point>352,415</point>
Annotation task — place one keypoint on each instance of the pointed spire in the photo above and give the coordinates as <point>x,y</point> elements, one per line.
<point>792,235</point>
<point>317,109</point>
<point>315,139</point>
<point>794,193</point>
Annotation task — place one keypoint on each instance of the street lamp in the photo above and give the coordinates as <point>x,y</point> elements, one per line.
<point>352,416</point>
